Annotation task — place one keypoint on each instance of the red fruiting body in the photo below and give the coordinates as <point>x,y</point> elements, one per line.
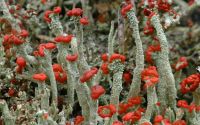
<point>41,48</point>
<point>24,33</point>
<point>109,109</point>
<point>150,76</point>
<point>78,120</point>
<point>128,116</point>
<point>59,73</point>
<point>148,30</point>
<point>127,77</point>
<point>39,77</point>
<point>117,123</point>
<point>158,119</point>
<point>21,62</point>
<point>191,107</point>
<point>166,122</point>
<point>123,107</point>
<point>134,101</point>
<point>150,50</point>
<point>50,46</point>
<point>45,116</point>
<point>151,3</point>
<point>87,75</point>
<point>84,21</point>
<point>47,19</point>
<point>44,46</point>
<point>125,9</point>
<point>46,16</point>
<point>104,68</point>
<point>146,123</point>
<point>164,6</point>
<point>75,12</point>
<point>182,63</point>
<point>11,92</point>
<point>16,40</point>
<point>146,12</point>
<point>182,104</point>
<point>72,58</point>
<point>116,56</point>
<point>179,122</point>
<point>132,116</point>
<point>97,91</point>
<point>190,83</point>
<point>69,13</point>
<point>191,2</point>
<point>57,10</point>
<point>57,68</point>
<point>104,57</point>
<point>43,1</point>
<point>64,39</point>
<point>60,76</point>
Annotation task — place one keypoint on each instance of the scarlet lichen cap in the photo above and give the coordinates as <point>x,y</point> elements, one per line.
<point>61,77</point>
<point>59,73</point>
<point>72,58</point>
<point>57,68</point>
<point>16,40</point>
<point>21,62</point>
<point>117,123</point>
<point>24,33</point>
<point>179,122</point>
<point>116,56</point>
<point>106,111</point>
<point>126,8</point>
<point>43,46</point>
<point>158,119</point>
<point>64,39</point>
<point>39,77</point>
<point>127,77</point>
<point>132,116</point>
<point>104,68</point>
<point>150,76</point>
<point>182,63</point>
<point>75,12</point>
<point>104,57</point>
<point>148,30</point>
<point>123,107</point>
<point>150,50</point>
<point>87,75</point>
<point>46,15</point>
<point>78,120</point>
<point>163,6</point>
<point>50,46</point>
<point>146,123</point>
<point>182,104</point>
<point>190,83</point>
<point>97,91</point>
<point>84,21</point>
<point>134,101</point>
<point>11,92</point>
<point>146,12</point>
<point>57,10</point>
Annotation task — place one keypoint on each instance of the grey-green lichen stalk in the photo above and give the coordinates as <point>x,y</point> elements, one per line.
<point>165,70</point>
<point>136,81</point>
<point>117,68</point>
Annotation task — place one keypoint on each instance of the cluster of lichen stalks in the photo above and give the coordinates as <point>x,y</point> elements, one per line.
<point>45,111</point>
